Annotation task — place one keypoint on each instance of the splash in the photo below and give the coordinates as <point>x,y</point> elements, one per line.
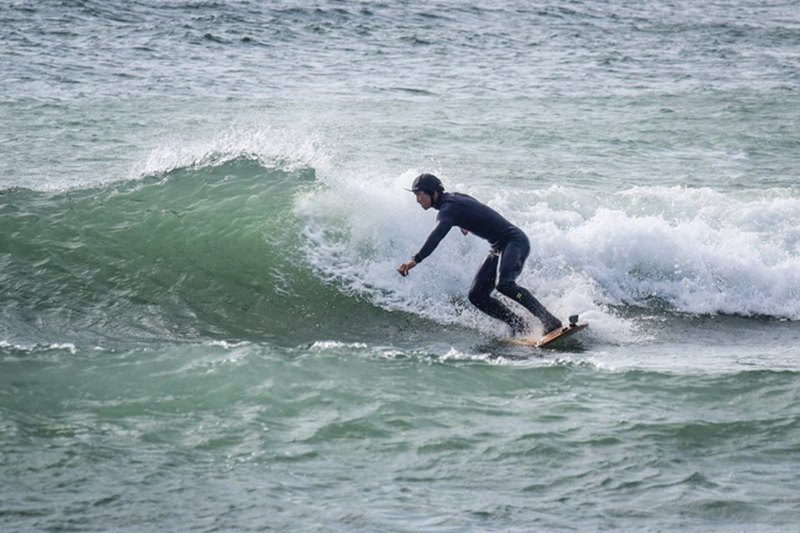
<point>695,251</point>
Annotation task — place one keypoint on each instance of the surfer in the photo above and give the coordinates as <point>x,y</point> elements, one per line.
<point>510,249</point>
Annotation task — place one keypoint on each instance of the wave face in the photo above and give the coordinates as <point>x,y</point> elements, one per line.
<point>202,251</point>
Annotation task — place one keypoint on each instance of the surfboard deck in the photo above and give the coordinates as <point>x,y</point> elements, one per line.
<point>550,338</point>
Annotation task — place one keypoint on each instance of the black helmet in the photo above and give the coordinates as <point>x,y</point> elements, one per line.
<point>427,183</point>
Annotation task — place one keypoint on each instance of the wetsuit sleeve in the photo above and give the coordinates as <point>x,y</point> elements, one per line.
<point>441,229</point>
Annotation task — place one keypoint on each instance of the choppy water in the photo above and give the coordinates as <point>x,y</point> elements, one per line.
<point>202,211</point>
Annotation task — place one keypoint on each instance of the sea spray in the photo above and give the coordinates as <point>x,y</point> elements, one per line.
<point>695,250</point>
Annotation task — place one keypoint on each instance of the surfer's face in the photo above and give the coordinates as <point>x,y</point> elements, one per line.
<point>424,200</point>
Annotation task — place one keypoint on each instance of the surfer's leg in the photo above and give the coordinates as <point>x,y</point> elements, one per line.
<point>480,295</point>
<point>511,263</point>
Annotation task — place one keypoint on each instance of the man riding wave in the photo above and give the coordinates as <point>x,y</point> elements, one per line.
<point>510,248</point>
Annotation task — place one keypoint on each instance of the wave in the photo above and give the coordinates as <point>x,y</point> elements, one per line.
<point>208,250</point>
<point>243,248</point>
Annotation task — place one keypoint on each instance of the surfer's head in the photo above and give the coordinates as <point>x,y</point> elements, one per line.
<point>426,186</point>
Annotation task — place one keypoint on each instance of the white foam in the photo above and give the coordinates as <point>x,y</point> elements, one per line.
<point>333,345</point>
<point>699,250</point>
<point>290,147</point>
<point>40,347</point>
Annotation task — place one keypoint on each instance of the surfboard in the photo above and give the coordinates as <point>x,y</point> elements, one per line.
<point>553,336</point>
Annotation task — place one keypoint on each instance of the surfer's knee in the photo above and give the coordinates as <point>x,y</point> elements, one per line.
<point>477,297</point>
<point>510,289</point>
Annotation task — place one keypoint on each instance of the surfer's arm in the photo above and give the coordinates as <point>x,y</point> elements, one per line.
<point>439,232</point>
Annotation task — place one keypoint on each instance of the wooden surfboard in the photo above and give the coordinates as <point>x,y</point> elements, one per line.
<point>552,337</point>
<point>557,335</point>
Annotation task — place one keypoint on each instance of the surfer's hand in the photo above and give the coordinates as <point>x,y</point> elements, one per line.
<point>405,267</point>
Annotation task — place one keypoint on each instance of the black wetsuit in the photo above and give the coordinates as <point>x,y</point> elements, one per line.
<point>510,249</point>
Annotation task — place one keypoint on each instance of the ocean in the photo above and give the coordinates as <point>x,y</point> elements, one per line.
<point>202,213</point>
